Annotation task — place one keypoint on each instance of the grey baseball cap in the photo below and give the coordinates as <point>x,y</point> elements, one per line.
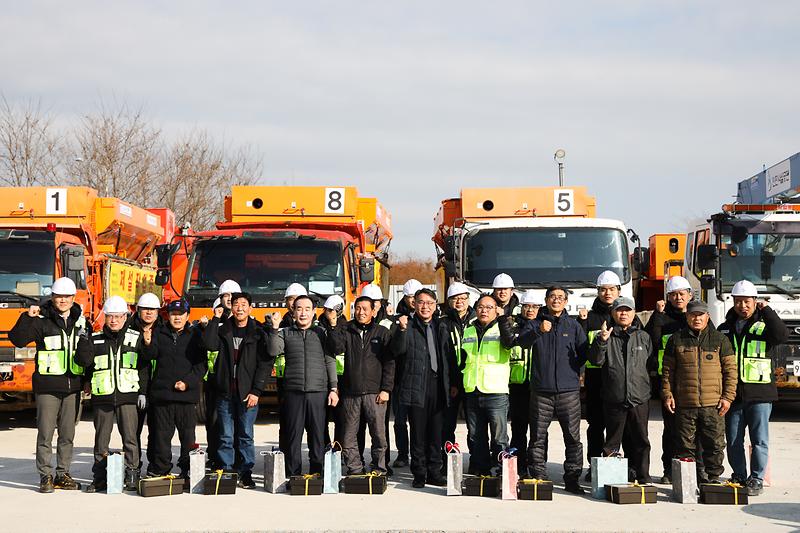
<point>697,306</point>
<point>623,301</point>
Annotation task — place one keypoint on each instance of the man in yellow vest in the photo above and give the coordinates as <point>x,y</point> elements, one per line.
<point>485,376</point>
<point>57,379</point>
<point>114,362</point>
<point>754,329</point>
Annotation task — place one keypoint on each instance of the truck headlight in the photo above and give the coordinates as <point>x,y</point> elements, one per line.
<point>24,353</point>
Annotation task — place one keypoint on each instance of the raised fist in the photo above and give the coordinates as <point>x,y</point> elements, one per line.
<point>33,311</point>
<point>403,321</point>
<point>660,306</point>
<point>583,313</point>
<point>204,319</point>
<point>546,326</point>
<point>276,320</point>
<point>147,335</point>
<point>218,311</point>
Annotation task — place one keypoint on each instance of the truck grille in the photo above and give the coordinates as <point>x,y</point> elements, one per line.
<point>794,331</point>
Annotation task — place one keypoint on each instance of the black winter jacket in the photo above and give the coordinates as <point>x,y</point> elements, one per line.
<point>670,321</point>
<point>310,366</point>
<point>50,324</point>
<point>178,357</point>
<point>599,313</point>
<point>368,360</point>
<point>624,358</point>
<point>107,342</point>
<point>775,333</point>
<point>254,364</point>
<point>558,355</point>
<point>410,348</point>
<point>455,330</point>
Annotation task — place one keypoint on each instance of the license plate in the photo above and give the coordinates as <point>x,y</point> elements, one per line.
<point>795,367</point>
<point>6,367</point>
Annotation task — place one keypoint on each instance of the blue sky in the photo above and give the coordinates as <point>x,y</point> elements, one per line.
<point>662,107</point>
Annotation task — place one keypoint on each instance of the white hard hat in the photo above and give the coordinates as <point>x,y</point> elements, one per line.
<point>115,304</point>
<point>148,300</point>
<point>295,289</point>
<point>216,303</point>
<point>64,287</point>
<point>411,287</point>
<point>333,302</point>
<point>503,281</point>
<point>678,283</point>
<point>744,288</point>
<point>229,287</point>
<point>608,278</point>
<point>373,292</point>
<point>530,298</point>
<point>457,288</point>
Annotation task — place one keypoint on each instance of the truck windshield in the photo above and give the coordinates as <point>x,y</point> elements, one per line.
<point>268,266</point>
<point>26,267</point>
<point>542,256</point>
<point>770,261</point>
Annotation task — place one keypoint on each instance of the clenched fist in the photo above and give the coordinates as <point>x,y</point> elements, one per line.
<point>33,311</point>
<point>546,326</point>
<point>403,321</point>
<point>660,306</point>
<point>218,311</point>
<point>275,318</point>
<point>583,313</point>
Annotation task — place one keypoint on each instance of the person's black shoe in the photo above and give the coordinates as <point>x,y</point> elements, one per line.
<point>437,481</point>
<point>738,480</point>
<point>588,477</point>
<point>401,461</point>
<point>755,487</point>
<point>131,480</point>
<point>389,471</point>
<point>645,480</point>
<point>631,475</point>
<point>418,483</point>
<point>46,484</point>
<point>65,482</point>
<point>246,481</point>
<point>573,487</point>
<point>666,479</point>
<point>97,486</point>
<point>472,471</point>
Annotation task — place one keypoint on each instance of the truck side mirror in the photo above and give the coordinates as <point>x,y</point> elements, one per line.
<point>164,253</point>
<point>707,255</point>
<point>72,263</point>
<point>366,270</point>
<point>162,277</point>
<point>449,248</point>
<point>641,259</point>
<point>450,269</point>
<point>707,281</point>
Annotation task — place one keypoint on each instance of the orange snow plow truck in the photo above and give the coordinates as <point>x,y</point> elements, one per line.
<point>104,245</point>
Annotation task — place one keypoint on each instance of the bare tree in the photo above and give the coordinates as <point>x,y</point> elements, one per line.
<point>31,152</point>
<point>118,153</point>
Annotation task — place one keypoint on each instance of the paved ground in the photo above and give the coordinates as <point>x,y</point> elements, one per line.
<point>401,508</point>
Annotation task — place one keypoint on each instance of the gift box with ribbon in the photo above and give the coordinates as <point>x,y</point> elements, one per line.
<point>486,486</point>
<point>534,489</point>
<point>455,468</point>
<point>160,486</point>
<point>307,485</point>
<point>219,482</point>
<point>723,493</point>
<point>625,493</point>
<point>612,470</point>
<point>371,483</point>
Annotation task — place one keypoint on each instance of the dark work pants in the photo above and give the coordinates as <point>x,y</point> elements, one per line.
<point>629,424</point>
<point>355,409</point>
<point>566,408</point>
<point>400,413</point>
<point>669,439</point>
<point>55,411</point>
<point>595,413</point>
<point>519,398</point>
<point>426,431</point>
<point>304,411</point>
<point>338,429</point>
<point>212,427</point>
<point>703,426</point>
<point>170,417</point>
<point>145,415</point>
<point>126,418</point>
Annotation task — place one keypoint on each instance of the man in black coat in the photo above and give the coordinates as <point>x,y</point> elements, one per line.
<point>420,346</point>
<point>239,377</point>
<point>57,378</point>
<point>180,364</point>
<point>309,384</point>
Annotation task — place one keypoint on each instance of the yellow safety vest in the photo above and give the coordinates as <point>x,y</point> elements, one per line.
<point>487,366</point>
<point>116,370</point>
<point>58,355</point>
<point>755,366</point>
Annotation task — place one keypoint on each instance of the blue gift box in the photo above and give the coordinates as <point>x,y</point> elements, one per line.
<point>607,471</point>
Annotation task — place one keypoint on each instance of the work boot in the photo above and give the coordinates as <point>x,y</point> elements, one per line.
<point>246,481</point>
<point>46,484</point>
<point>65,482</point>
<point>738,480</point>
<point>755,487</point>
<point>666,479</point>
<point>437,481</point>
<point>573,487</point>
<point>131,480</point>
<point>588,477</point>
<point>419,482</point>
<point>401,461</point>
<point>98,485</point>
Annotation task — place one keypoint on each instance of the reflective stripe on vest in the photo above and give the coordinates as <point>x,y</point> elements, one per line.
<point>664,339</point>
<point>211,360</point>
<point>755,365</point>
<point>117,370</point>
<point>339,364</point>
<point>592,335</point>
<point>487,365</point>
<point>58,355</point>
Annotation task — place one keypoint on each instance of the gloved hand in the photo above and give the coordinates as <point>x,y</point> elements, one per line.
<point>141,402</point>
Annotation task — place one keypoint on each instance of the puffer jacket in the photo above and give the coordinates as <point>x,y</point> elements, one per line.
<point>699,368</point>
<point>412,360</point>
<point>49,324</point>
<point>775,333</point>
<point>623,360</point>
<point>310,367</point>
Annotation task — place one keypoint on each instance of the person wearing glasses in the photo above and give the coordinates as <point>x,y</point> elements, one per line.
<point>420,346</point>
<point>113,359</point>
<point>560,348</point>
<point>485,376</point>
